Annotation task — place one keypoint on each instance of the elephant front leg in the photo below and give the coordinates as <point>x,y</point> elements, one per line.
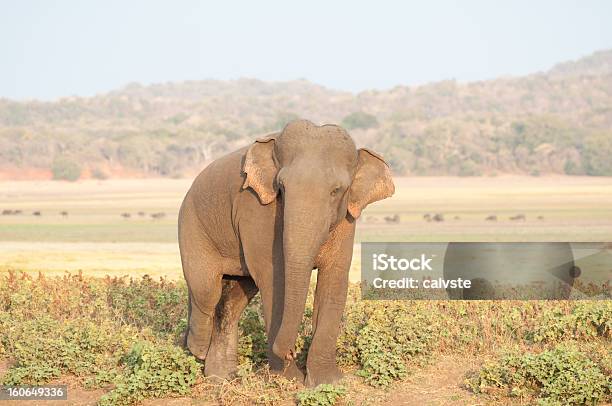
<point>330,299</point>
<point>270,281</point>
<point>272,307</point>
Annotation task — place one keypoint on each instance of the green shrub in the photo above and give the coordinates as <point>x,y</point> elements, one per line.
<point>586,320</point>
<point>592,319</point>
<point>469,168</point>
<point>322,395</point>
<point>44,348</point>
<point>85,327</point>
<point>596,154</point>
<point>99,174</point>
<point>559,376</point>
<point>160,306</point>
<point>572,168</point>
<point>153,371</point>
<point>380,356</point>
<point>70,296</point>
<point>252,343</point>
<point>65,169</point>
<point>380,337</point>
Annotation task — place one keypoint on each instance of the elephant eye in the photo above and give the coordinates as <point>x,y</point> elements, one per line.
<point>335,191</point>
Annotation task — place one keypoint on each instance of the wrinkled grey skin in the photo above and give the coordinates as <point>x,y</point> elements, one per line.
<point>261,219</point>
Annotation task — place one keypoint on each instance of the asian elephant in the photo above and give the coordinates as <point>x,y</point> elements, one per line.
<point>261,219</point>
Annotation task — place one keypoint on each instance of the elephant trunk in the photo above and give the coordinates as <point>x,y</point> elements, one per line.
<point>303,234</point>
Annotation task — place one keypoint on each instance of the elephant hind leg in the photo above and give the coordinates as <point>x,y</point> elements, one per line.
<point>222,360</point>
<point>202,270</point>
<point>202,302</point>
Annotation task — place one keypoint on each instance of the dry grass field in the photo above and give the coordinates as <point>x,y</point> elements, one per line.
<point>94,237</point>
<point>397,352</point>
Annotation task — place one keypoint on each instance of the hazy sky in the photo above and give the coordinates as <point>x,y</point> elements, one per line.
<point>51,49</point>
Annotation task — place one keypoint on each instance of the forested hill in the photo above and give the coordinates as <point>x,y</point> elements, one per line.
<point>559,121</point>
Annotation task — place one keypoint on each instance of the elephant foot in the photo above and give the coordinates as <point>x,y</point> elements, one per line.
<point>321,375</point>
<point>221,364</point>
<point>218,373</point>
<point>290,371</point>
<point>217,380</point>
<point>293,372</point>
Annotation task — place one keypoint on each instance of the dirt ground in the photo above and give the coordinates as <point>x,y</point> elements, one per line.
<point>77,396</point>
<point>438,383</point>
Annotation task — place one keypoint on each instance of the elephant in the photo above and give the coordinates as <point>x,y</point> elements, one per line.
<point>263,218</point>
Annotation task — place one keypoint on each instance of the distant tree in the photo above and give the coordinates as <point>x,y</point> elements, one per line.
<point>571,168</point>
<point>468,168</point>
<point>98,173</point>
<point>518,127</point>
<point>555,122</point>
<point>65,169</point>
<point>359,119</point>
<point>597,152</point>
<point>397,165</point>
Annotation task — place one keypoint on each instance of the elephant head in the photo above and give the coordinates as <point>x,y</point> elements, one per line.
<point>320,179</point>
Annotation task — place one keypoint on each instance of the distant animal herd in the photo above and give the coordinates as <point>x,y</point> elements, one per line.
<point>388,219</point>
<point>64,213</point>
<point>154,216</point>
<point>439,217</point>
<point>8,212</point>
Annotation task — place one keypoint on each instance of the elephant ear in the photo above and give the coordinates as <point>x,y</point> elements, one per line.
<point>260,169</point>
<point>372,182</point>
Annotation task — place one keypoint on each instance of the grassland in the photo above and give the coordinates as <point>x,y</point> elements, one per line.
<point>95,238</point>
<point>95,332</point>
<point>116,341</point>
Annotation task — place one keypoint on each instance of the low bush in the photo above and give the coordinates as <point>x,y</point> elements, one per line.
<point>253,342</point>
<point>99,174</point>
<point>586,320</point>
<point>125,332</point>
<point>380,337</point>
<point>44,348</point>
<point>146,303</point>
<point>562,375</point>
<point>65,169</point>
<point>322,395</point>
<point>153,371</point>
